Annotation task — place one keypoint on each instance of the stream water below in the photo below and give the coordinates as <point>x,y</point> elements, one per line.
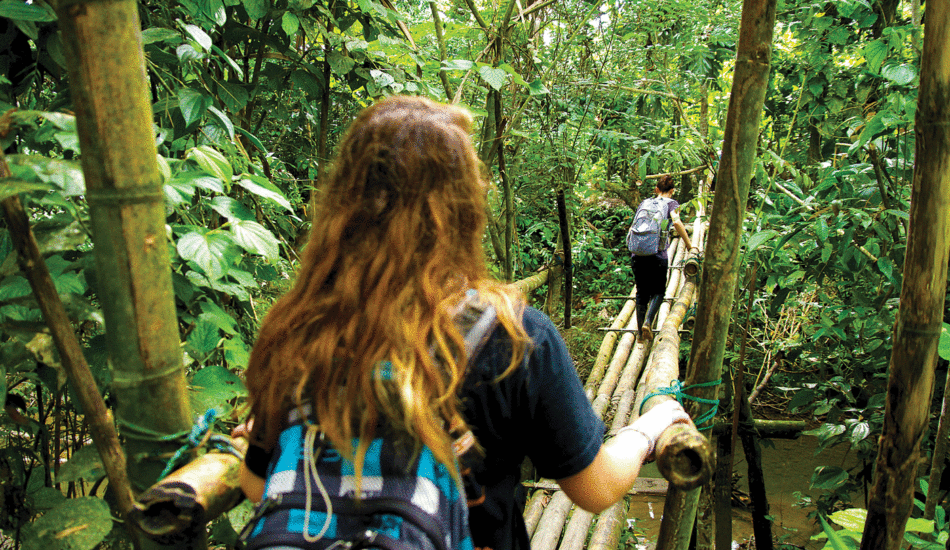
<point>788,466</point>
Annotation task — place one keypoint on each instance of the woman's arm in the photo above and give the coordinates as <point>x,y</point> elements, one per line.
<point>615,468</point>
<point>251,484</point>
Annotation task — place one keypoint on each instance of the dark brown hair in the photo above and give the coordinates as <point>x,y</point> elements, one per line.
<point>665,183</point>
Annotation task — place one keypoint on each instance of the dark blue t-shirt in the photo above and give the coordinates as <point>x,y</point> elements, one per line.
<point>538,411</point>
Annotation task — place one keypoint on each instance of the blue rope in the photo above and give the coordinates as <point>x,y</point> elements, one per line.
<point>678,392</point>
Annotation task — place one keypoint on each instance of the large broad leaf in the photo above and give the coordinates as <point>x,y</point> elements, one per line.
<point>203,338</point>
<point>212,387</point>
<point>210,250</point>
<point>22,11</point>
<point>899,74</point>
<point>158,34</point>
<point>457,65</point>
<point>875,52</point>
<point>199,36</point>
<point>340,64</point>
<point>77,524</point>
<point>233,94</point>
<point>289,23</point>
<point>256,239</point>
<point>218,317</point>
<point>222,120</point>
<point>537,88</point>
<point>193,104</point>
<point>494,76</point>
<point>256,9</point>
<point>760,238</point>
<point>212,161</point>
<point>828,477</point>
<point>231,209</point>
<point>265,190</point>
<point>85,464</point>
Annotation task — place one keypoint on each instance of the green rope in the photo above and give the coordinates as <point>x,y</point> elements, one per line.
<point>678,392</point>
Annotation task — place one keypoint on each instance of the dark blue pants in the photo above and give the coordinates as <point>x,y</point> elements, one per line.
<point>649,273</point>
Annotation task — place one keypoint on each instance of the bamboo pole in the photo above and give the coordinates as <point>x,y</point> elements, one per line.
<point>109,87</point>
<point>548,532</point>
<point>677,257</point>
<point>181,504</point>
<point>917,330</point>
<point>532,283</point>
<point>534,509</point>
<point>575,534</point>
<point>607,346</point>
<point>610,523</point>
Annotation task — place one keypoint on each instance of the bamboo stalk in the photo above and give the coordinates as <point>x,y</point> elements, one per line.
<point>532,283</point>
<point>181,504</point>
<point>548,532</point>
<point>575,534</point>
<point>679,512</point>
<point>609,526</point>
<point>534,509</point>
<point>622,412</point>
<point>607,345</point>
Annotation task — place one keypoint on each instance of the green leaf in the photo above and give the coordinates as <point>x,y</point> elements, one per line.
<point>199,36</point>
<point>919,525</point>
<point>77,524</point>
<point>875,52</point>
<point>158,34</point>
<point>21,11</point>
<point>233,95</point>
<point>256,239</point>
<point>760,238</point>
<point>193,104</point>
<point>860,432</point>
<point>494,76</point>
<point>264,189</point>
<point>900,74</point>
<point>289,23</point>
<point>204,337</point>
<point>10,187</point>
<point>852,519</point>
<point>340,64</point>
<point>457,65</point>
<point>828,477</point>
<point>217,316</point>
<point>231,209</point>
<point>252,138</point>
<point>236,353</point>
<point>85,464</point>
<point>537,88</point>
<point>209,250</point>
<point>211,161</point>
<point>256,9</point>
<point>212,387</point>
<point>944,347</point>
<point>223,120</point>
<point>886,267</point>
<point>833,537</point>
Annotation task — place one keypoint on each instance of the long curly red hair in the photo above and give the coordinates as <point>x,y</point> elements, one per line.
<point>396,241</point>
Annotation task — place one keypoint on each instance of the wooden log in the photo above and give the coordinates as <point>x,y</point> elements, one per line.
<point>575,534</point>
<point>549,529</point>
<point>617,361</point>
<point>607,346</point>
<point>768,429</point>
<point>534,509</point>
<point>181,504</point>
<point>679,512</point>
<point>532,283</point>
<point>609,526</point>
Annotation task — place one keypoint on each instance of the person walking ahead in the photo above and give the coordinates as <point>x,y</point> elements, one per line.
<point>647,242</point>
<point>367,338</point>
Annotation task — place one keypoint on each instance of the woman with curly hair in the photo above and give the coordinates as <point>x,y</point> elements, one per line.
<point>367,338</point>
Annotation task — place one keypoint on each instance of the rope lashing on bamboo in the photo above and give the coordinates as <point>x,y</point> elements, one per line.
<point>678,392</point>
<point>199,436</point>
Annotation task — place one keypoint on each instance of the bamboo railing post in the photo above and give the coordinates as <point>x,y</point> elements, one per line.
<point>923,292</point>
<point>109,87</point>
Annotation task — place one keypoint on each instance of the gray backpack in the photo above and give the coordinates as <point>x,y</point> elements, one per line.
<point>648,232</point>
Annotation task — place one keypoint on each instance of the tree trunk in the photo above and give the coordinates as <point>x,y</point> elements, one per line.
<point>917,330</point>
<point>107,76</point>
<point>568,262</point>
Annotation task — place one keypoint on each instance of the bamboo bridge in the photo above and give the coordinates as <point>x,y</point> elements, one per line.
<point>629,377</point>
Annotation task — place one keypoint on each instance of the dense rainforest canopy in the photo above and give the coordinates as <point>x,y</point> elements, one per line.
<point>578,104</point>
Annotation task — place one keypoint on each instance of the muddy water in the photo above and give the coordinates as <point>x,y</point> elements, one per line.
<point>788,468</point>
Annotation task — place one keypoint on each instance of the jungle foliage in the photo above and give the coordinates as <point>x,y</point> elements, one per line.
<point>585,99</point>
